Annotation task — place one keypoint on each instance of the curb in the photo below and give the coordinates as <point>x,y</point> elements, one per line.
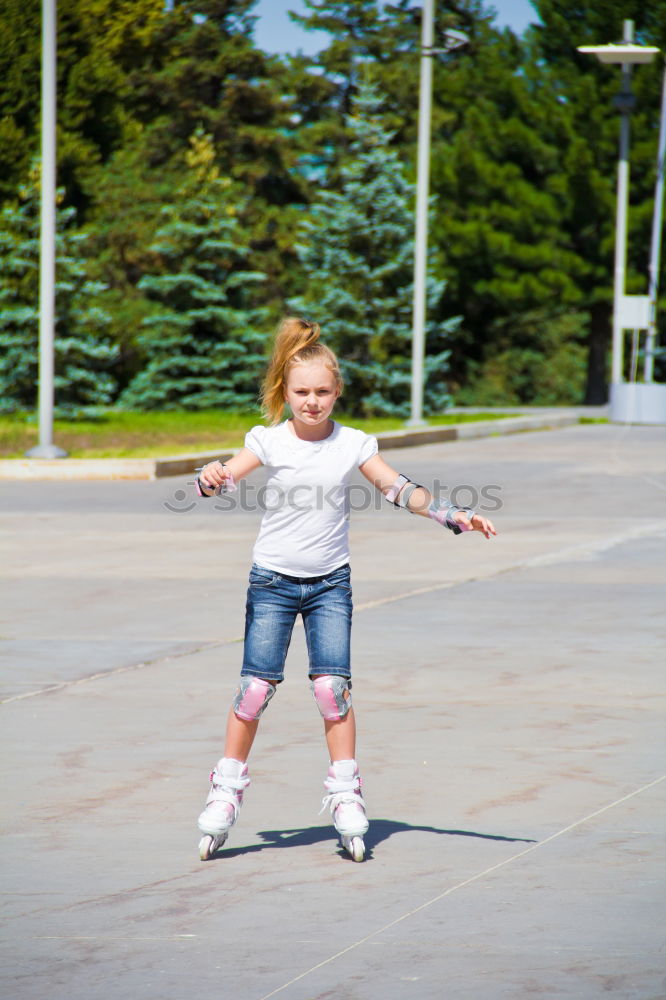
<point>106,468</point>
<point>181,465</point>
<point>482,428</point>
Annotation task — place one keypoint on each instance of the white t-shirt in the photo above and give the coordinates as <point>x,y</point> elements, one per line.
<point>305,527</point>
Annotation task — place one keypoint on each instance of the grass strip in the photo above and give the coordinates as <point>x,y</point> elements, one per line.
<point>122,434</point>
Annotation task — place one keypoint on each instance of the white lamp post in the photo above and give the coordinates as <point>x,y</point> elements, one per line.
<point>655,244</point>
<point>46,448</point>
<point>453,40</point>
<point>630,312</point>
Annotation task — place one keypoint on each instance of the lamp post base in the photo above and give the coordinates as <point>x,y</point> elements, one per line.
<point>46,451</point>
<point>638,403</point>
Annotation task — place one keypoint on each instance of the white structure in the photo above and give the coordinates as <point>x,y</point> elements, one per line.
<point>631,401</point>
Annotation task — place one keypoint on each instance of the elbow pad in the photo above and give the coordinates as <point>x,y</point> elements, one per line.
<point>400,491</point>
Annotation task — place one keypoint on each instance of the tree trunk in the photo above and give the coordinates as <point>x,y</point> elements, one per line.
<point>596,389</point>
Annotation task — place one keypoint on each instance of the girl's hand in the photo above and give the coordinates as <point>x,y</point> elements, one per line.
<point>223,475</point>
<point>476,523</point>
<point>214,475</point>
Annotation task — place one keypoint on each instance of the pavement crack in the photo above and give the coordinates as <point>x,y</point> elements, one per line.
<point>569,554</point>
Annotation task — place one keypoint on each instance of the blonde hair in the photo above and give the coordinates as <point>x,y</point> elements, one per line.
<point>296,340</point>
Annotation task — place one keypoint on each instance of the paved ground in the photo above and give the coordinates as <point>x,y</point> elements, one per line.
<point>511,738</point>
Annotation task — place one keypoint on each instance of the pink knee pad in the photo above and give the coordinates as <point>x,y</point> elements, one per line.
<point>252,696</point>
<point>329,692</point>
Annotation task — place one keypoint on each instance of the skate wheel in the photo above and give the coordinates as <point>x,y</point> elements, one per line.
<point>354,847</point>
<point>206,847</point>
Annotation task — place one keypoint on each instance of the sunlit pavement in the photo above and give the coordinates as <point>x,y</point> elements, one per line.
<point>511,737</point>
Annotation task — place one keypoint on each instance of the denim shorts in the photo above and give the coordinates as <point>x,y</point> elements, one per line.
<point>273,602</point>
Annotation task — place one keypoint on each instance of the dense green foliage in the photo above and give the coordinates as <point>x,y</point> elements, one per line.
<point>83,351</point>
<point>357,255</point>
<point>171,280</point>
<point>201,346</point>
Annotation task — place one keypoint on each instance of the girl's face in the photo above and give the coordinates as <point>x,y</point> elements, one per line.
<point>311,392</point>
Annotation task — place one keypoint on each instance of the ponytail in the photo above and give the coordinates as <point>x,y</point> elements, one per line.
<point>295,340</point>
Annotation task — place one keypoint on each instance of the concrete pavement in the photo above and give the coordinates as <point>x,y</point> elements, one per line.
<point>510,703</point>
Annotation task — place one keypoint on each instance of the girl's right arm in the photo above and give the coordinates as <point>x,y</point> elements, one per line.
<point>420,500</point>
<point>216,474</point>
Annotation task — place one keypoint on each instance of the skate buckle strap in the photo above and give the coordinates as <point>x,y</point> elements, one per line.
<point>222,781</point>
<point>340,792</point>
<point>334,799</point>
<point>223,795</point>
<point>226,790</point>
<point>333,784</point>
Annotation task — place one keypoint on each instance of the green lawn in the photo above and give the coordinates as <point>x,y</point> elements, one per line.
<point>152,435</point>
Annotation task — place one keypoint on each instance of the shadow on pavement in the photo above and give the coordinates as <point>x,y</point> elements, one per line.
<point>380,830</point>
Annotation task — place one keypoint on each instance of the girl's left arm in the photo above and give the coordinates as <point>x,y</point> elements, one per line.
<point>420,500</point>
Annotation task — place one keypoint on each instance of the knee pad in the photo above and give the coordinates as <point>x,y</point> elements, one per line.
<point>329,692</point>
<point>252,696</point>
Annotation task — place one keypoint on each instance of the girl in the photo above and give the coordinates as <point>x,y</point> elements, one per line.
<point>301,566</point>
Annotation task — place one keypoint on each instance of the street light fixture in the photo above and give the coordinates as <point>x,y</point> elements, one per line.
<point>630,312</point>
<point>626,53</point>
<point>452,40</point>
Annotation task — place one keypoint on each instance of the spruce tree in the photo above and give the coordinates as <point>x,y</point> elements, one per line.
<point>83,353</point>
<point>203,345</point>
<point>357,255</point>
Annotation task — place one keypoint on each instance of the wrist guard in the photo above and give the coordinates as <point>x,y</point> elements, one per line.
<point>228,486</point>
<point>442,511</point>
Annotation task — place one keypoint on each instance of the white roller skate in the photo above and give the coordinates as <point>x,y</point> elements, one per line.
<point>345,801</point>
<point>227,782</point>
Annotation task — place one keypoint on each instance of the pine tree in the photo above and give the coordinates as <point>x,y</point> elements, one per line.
<point>83,353</point>
<point>101,43</point>
<point>368,41</point>
<point>203,344</point>
<point>357,253</point>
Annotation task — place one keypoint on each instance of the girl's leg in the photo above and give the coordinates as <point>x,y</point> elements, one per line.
<point>341,737</point>
<point>269,620</point>
<point>270,613</point>
<point>240,736</point>
<point>343,785</point>
<point>327,627</point>
<point>327,618</point>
